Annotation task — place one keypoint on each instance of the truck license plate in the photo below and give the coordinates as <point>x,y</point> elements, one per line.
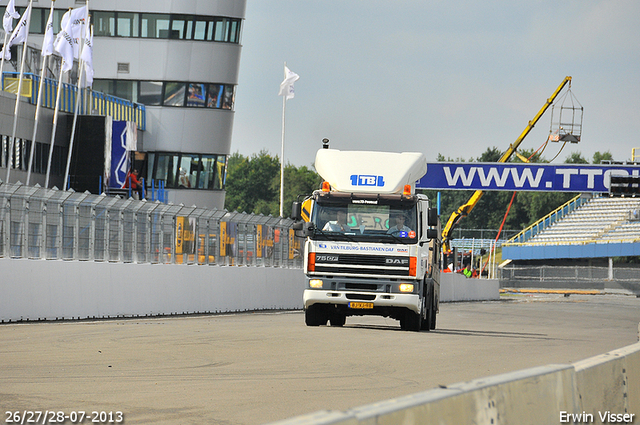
<point>360,305</point>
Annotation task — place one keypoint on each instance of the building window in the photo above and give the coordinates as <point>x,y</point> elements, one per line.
<point>147,25</point>
<point>187,171</point>
<point>158,93</point>
<point>214,97</point>
<point>197,93</point>
<point>154,25</point>
<point>150,92</point>
<point>128,24</point>
<point>174,94</point>
<point>104,24</point>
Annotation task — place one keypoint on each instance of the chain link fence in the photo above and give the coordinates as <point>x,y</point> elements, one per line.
<point>51,224</point>
<point>569,276</point>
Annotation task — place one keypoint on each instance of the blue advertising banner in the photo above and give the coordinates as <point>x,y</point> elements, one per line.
<point>119,154</point>
<point>522,177</point>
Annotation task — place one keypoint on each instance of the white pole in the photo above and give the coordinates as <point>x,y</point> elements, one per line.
<point>53,130</point>
<point>38,103</point>
<point>495,243</point>
<point>77,107</point>
<point>35,125</point>
<point>473,246</point>
<point>284,107</point>
<point>17,109</point>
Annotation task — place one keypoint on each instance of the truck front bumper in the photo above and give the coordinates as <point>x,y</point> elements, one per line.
<point>379,299</point>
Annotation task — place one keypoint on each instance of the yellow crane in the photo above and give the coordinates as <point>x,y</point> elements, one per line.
<point>465,209</point>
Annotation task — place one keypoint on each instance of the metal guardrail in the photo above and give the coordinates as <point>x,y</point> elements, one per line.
<point>51,224</point>
<point>101,104</point>
<point>570,274</point>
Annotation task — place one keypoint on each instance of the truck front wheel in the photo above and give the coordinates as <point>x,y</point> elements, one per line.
<point>316,315</point>
<point>410,321</point>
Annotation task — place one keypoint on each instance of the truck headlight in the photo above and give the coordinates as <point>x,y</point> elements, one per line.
<point>317,283</point>
<point>406,287</point>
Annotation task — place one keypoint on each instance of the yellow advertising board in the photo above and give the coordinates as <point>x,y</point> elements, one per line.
<point>223,239</point>
<point>259,241</point>
<point>292,244</point>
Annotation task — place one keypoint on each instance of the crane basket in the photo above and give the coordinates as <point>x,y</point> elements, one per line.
<point>566,119</point>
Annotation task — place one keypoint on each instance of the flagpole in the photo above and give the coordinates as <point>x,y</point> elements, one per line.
<point>53,130</point>
<point>75,112</point>
<point>45,59</point>
<point>284,107</point>
<point>17,109</point>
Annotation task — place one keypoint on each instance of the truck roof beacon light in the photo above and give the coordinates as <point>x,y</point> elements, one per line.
<point>326,187</point>
<point>325,143</point>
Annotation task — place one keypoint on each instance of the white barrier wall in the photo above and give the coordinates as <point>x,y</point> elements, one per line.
<point>457,287</point>
<point>49,290</point>
<point>56,289</point>
<point>602,389</point>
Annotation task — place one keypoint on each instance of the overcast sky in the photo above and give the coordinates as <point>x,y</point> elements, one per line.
<point>439,77</point>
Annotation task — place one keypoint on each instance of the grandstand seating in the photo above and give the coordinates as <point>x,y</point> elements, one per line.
<point>601,220</point>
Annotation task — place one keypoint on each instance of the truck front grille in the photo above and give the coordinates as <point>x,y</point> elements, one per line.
<point>362,264</point>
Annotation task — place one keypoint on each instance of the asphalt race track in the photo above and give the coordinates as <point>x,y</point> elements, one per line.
<point>254,368</point>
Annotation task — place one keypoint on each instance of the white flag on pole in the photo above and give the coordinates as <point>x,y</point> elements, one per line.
<point>64,44</point>
<point>47,42</point>
<point>19,34</point>
<point>286,87</point>
<point>87,56</point>
<point>74,19</point>
<point>9,15</point>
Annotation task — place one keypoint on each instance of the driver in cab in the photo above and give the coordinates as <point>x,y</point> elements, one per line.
<point>339,225</point>
<point>399,226</point>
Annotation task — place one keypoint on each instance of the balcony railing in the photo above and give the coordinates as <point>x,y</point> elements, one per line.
<point>101,103</point>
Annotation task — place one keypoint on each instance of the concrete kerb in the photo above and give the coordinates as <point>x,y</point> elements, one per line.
<point>609,382</point>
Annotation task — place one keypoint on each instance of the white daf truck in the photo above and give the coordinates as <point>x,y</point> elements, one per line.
<point>372,245</point>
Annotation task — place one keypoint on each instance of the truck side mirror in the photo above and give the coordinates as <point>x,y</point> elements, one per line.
<point>296,211</point>
<point>306,228</point>
<point>433,217</point>
<point>432,233</point>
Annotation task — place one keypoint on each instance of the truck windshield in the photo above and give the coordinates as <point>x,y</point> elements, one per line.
<point>366,220</point>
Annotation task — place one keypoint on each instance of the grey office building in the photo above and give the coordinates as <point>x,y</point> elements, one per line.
<point>179,58</point>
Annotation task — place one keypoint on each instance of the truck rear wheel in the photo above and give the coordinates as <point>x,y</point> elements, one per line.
<point>316,315</point>
<point>433,314</point>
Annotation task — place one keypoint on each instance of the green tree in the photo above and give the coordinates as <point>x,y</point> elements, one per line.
<point>599,157</point>
<point>298,181</point>
<point>575,158</point>
<point>250,183</point>
<point>253,184</point>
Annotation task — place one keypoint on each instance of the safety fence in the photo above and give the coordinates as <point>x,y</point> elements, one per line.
<point>99,103</point>
<point>51,224</point>
<point>571,275</point>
